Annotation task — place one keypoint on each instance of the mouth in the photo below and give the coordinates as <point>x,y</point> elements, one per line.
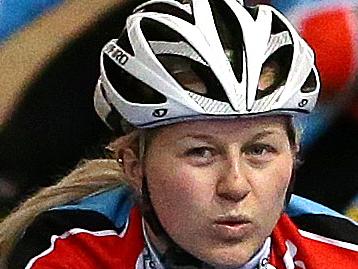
<point>232,227</point>
<point>232,219</point>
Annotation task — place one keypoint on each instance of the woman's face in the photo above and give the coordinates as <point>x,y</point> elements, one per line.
<point>219,187</point>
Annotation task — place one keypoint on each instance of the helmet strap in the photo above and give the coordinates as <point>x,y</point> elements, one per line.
<point>290,186</point>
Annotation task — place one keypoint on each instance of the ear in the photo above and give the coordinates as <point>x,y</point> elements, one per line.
<point>297,149</point>
<point>296,152</point>
<point>133,168</point>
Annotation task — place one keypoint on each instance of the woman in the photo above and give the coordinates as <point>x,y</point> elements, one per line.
<point>206,92</point>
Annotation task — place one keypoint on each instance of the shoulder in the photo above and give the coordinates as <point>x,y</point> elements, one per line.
<point>95,231</point>
<point>313,236</point>
<point>315,218</point>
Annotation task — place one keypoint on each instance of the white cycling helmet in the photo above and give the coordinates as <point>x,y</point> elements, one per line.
<point>199,59</point>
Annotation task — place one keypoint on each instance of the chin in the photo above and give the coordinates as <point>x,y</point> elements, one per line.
<point>228,257</point>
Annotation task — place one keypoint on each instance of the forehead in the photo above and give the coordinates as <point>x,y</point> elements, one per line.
<point>216,127</point>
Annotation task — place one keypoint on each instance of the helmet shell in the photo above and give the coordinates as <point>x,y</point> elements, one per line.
<point>259,66</point>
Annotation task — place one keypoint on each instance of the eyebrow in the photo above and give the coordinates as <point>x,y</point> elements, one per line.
<point>263,134</point>
<point>197,136</point>
<point>257,136</point>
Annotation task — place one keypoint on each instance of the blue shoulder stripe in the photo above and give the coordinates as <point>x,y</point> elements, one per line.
<point>115,204</point>
<point>301,206</point>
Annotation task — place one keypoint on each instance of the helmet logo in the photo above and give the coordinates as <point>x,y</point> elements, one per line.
<point>303,103</point>
<point>116,53</point>
<point>159,113</point>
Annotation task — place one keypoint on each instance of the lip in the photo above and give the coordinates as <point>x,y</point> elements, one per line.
<point>233,228</point>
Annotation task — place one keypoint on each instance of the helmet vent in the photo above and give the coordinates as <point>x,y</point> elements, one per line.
<point>253,11</point>
<point>112,116</point>
<point>310,84</point>
<point>230,33</point>
<point>129,87</point>
<point>150,30</point>
<point>274,71</point>
<point>277,25</point>
<point>194,76</point>
<point>124,43</point>
<point>169,9</point>
<point>114,119</point>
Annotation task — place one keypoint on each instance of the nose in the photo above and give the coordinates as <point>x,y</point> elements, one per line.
<point>233,184</point>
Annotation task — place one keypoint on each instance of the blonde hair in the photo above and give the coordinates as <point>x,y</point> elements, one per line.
<point>91,176</point>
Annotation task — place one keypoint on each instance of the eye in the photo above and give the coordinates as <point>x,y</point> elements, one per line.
<point>200,155</point>
<point>260,153</point>
<point>202,152</point>
<point>259,149</point>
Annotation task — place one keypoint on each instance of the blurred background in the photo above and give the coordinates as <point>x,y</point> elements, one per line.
<point>49,51</point>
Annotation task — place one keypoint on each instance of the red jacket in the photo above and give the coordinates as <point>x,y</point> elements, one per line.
<point>105,232</point>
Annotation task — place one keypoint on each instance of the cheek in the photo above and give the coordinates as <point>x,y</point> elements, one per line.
<point>177,188</point>
<point>280,178</point>
<point>272,185</point>
<point>270,192</point>
<point>284,176</point>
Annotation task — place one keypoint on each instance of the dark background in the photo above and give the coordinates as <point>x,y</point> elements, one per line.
<point>55,125</point>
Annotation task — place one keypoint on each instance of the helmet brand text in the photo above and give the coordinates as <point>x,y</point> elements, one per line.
<point>116,53</point>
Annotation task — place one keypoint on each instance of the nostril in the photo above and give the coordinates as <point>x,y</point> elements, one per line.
<point>234,196</point>
<point>232,188</point>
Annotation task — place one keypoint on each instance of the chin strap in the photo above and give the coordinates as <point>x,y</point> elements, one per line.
<point>290,186</point>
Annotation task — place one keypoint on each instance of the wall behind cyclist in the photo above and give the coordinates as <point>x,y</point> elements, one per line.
<point>15,15</point>
<point>54,124</point>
